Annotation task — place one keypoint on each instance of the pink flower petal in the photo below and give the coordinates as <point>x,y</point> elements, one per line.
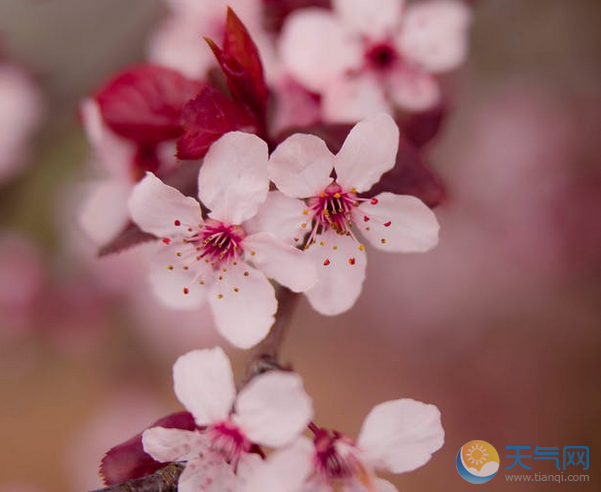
<point>351,99</point>
<point>177,43</point>
<point>210,473</point>
<point>204,384</point>
<point>399,223</point>
<point>243,305</point>
<point>176,286</point>
<point>104,212</point>
<point>167,445</point>
<point>282,262</point>
<point>162,210</point>
<point>434,33</point>
<point>233,180</point>
<point>273,409</point>
<point>375,21</point>
<point>301,166</point>
<point>285,470</point>
<point>340,266</point>
<point>414,90</point>
<point>401,435</point>
<point>368,152</point>
<point>280,216</point>
<point>316,48</point>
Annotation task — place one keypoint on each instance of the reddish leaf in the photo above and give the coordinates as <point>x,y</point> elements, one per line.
<point>144,103</point>
<point>128,460</point>
<point>241,64</point>
<point>208,117</point>
<point>422,128</point>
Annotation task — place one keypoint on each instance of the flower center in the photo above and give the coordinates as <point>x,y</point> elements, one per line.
<point>227,439</point>
<point>381,56</point>
<point>333,209</point>
<point>330,461</point>
<point>218,243</point>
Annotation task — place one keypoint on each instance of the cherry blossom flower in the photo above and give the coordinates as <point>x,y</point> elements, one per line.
<point>20,115</point>
<point>334,212</point>
<point>397,436</point>
<point>207,259</point>
<point>363,58</point>
<point>272,410</point>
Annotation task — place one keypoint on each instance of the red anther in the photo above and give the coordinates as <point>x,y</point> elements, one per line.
<point>387,224</point>
<point>351,261</point>
<point>326,262</point>
<point>365,218</point>
<point>374,201</point>
<point>177,223</point>
<point>166,240</point>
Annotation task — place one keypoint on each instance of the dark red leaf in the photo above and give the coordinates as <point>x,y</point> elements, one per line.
<point>208,117</point>
<point>144,103</point>
<point>128,460</point>
<point>422,128</point>
<point>239,46</point>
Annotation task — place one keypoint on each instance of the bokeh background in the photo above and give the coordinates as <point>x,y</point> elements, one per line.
<point>500,325</point>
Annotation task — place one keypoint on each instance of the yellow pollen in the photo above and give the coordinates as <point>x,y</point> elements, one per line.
<point>186,267</point>
<point>220,277</point>
<point>336,195</point>
<point>303,225</point>
<point>246,274</point>
<point>201,282</point>
<point>383,241</point>
<point>368,228</point>
<point>253,253</point>
<point>219,296</point>
<point>306,212</point>
<point>236,289</point>
<point>178,254</point>
<point>170,267</point>
<point>322,194</point>
<point>334,248</point>
<point>322,243</point>
<point>361,247</point>
<point>224,270</point>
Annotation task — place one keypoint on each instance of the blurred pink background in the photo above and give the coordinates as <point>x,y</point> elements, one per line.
<point>500,325</point>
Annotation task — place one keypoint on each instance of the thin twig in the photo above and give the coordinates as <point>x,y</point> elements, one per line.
<point>266,355</point>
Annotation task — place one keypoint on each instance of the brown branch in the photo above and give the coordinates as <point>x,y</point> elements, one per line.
<point>164,480</point>
<point>265,356</point>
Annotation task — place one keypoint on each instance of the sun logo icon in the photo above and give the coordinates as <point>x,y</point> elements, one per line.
<point>477,461</point>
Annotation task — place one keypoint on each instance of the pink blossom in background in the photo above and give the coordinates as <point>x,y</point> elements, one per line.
<point>178,41</point>
<point>21,111</point>
<point>120,414</point>
<point>23,278</point>
<point>334,213</point>
<point>207,260</point>
<point>397,437</point>
<point>272,410</point>
<point>363,59</point>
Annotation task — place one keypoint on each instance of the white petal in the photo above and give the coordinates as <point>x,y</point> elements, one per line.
<point>243,306</point>
<point>273,409</point>
<point>301,166</point>
<point>399,223</point>
<point>353,98</point>
<point>157,208</point>
<point>104,212</point>
<point>282,262</point>
<point>414,90</point>
<point>233,179</point>
<point>434,34</point>
<point>285,470</point>
<point>166,445</point>
<point>341,272</point>
<point>375,21</point>
<point>110,152</point>
<point>368,152</point>
<point>204,384</point>
<point>174,285</point>
<point>401,435</point>
<point>280,216</point>
<point>316,48</point>
<point>211,473</point>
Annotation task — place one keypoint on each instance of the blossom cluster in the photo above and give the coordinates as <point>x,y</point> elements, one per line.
<point>223,437</point>
<point>266,163</point>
